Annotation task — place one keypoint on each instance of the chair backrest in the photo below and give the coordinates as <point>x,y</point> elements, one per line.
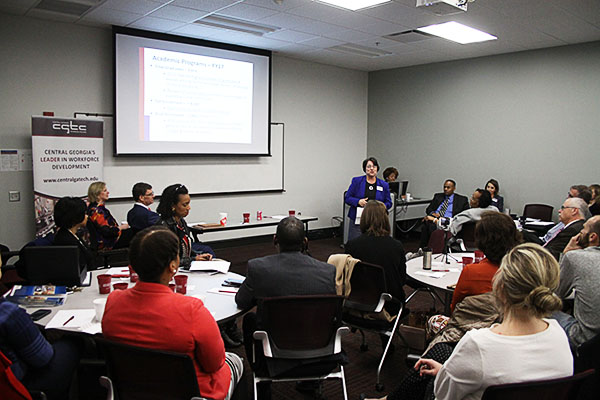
<point>551,389</point>
<point>301,326</point>
<point>437,240</point>
<point>467,234</point>
<point>368,283</point>
<point>58,265</point>
<point>538,211</point>
<point>142,373</point>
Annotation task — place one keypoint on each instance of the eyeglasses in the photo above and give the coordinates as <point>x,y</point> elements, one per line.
<point>563,207</point>
<point>151,194</point>
<point>371,167</point>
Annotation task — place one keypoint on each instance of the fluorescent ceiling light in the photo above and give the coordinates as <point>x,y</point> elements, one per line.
<point>234,24</point>
<point>457,32</point>
<point>354,4</point>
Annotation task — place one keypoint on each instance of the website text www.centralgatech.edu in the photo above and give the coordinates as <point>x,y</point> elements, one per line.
<point>72,179</point>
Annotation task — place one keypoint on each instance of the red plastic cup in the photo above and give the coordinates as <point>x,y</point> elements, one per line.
<point>172,286</point>
<point>104,283</point>
<point>478,255</point>
<point>133,276</point>
<point>259,215</point>
<point>292,213</point>
<point>181,284</point>
<point>120,286</point>
<point>467,260</point>
<point>246,218</point>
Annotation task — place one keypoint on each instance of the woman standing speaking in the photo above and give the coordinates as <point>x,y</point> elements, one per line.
<point>365,188</point>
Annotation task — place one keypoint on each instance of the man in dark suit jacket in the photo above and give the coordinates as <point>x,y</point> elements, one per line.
<point>456,204</point>
<point>288,273</point>
<point>140,216</point>
<point>571,214</point>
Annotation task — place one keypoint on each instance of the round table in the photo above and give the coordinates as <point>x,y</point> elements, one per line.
<point>221,305</point>
<point>442,274</point>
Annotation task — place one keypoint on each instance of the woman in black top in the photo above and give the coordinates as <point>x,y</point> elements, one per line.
<point>174,206</point>
<point>376,246</point>
<point>70,216</point>
<point>595,203</point>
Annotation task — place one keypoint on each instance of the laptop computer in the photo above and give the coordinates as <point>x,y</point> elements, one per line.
<point>394,187</point>
<point>404,188</point>
<point>57,265</point>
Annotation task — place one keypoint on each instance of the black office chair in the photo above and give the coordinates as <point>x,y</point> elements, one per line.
<point>105,258</point>
<point>303,332</point>
<point>588,356</point>
<point>551,389</point>
<point>538,211</point>
<point>136,373</point>
<point>57,265</point>
<point>467,235</point>
<point>368,296</point>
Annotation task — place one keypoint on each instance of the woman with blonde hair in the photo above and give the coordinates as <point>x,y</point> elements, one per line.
<point>524,347</point>
<point>109,234</point>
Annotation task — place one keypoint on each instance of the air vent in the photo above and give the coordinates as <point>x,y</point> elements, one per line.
<point>234,24</point>
<point>408,36</point>
<point>63,7</point>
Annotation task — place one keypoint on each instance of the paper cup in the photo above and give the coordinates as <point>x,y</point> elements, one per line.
<point>181,284</point>
<point>479,255</point>
<point>133,276</point>
<point>172,286</point>
<point>259,215</point>
<point>99,305</point>
<point>246,217</point>
<point>467,261</point>
<point>292,213</point>
<point>120,286</point>
<point>223,219</point>
<point>104,283</point>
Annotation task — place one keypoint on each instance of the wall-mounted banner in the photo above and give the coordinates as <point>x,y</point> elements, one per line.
<point>67,157</point>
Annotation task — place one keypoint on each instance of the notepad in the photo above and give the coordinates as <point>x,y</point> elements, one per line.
<point>212,265</point>
<point>83,320</point>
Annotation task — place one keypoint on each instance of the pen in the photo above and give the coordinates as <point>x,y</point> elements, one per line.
<point>440,270</point>
<point>69,320</point>
<point>220,291</point>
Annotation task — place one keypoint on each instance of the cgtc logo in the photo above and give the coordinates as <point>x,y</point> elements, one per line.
<point>69,127</point>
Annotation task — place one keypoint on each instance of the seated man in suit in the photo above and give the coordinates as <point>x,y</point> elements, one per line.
<point>571,216</point>
<point>289,273</point>
<point>141,216</point>
<point>447,205</point>
<point>580,273</point>
<point>480,202</point>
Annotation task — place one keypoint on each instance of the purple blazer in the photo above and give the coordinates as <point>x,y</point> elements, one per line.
<point>356,191</point>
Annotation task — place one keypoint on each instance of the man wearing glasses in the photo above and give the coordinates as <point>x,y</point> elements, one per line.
<point>141,216</point>
<point>572,216</point>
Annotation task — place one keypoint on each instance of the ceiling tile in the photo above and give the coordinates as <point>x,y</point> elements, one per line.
<point>247,12</point>
<point>180,14</point>
<point>205,5</point>
<point>108,16</point>
<point>290,35</point>
<point>322,42</point>
<point>133,6</point>
<point>156,24</point>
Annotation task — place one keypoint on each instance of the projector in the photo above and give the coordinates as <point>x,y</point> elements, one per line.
<point>444,7</point>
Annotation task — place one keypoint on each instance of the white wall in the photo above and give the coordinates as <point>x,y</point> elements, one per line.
<point>531,120</point>
<point>51,66</point>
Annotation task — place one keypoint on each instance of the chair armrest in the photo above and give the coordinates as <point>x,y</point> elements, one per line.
<point>342,330</point>
<point>264,338</point>
<point>195,232</point>
<point>107,383</point>
<point>382,299</point>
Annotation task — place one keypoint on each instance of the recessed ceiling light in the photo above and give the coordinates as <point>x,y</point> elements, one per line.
<point>457,32</point>
<point>354,4</point>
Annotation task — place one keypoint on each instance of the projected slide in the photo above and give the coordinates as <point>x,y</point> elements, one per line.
<point>194,98</point>
<point>186,96</point>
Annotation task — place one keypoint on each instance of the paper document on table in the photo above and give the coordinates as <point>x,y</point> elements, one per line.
<point>227,291</point>
<point>118,272</point>
<point>212,265</point>
<point>435,275</point>
<point>76,320</point>
<point>278,217</point>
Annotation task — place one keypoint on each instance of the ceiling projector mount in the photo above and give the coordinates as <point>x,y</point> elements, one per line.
<point>444,7</point>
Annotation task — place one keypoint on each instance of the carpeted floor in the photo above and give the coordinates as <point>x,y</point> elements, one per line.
<point>361,371</point>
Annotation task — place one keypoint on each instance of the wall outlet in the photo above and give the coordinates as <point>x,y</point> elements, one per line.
<point>14,195</point>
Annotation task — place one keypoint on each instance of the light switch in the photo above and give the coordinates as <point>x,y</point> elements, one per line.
<point>14,195</point>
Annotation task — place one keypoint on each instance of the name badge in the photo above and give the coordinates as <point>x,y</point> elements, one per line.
<point>380,188</point>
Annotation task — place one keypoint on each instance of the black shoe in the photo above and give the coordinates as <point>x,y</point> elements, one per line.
<point>229,342</point>
<point>234,333</point>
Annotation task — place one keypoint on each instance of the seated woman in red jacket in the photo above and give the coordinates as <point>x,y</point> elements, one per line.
<point>495,235</point>
<point>151,315</point>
